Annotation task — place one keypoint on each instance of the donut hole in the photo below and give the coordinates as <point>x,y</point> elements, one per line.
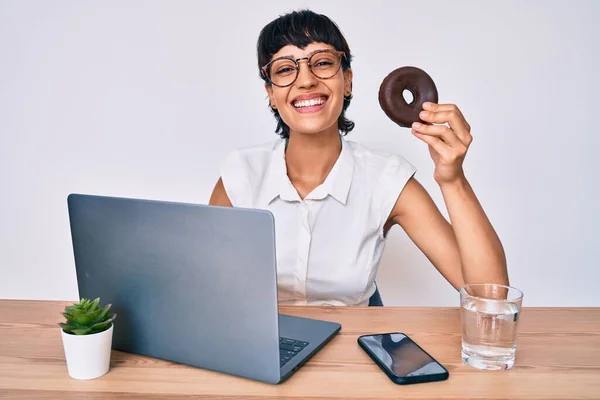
<point>408,96</point>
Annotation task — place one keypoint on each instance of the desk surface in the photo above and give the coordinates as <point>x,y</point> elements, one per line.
<point>558,357</point>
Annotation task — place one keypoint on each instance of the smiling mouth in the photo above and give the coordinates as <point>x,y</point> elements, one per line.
<point>305,104</point>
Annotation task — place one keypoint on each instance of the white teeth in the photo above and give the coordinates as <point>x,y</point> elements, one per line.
<point>309,103</point>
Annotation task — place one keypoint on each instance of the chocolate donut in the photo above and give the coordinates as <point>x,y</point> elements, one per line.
<point>391,98</point>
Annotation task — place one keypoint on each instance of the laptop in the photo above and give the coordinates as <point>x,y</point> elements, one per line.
<point>193,284</point>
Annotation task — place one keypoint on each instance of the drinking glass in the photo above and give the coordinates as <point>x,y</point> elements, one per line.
<point>490,317</point>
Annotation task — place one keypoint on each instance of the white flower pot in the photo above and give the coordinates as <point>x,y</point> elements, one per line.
<point>88,356</point>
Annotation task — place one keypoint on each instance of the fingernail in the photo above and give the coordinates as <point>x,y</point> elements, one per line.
<point>416,125</point>
<point>424,114</point>
<point>426,105</point>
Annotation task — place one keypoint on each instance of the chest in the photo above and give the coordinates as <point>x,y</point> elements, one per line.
<point>327,235</point>
<point>325,250</point>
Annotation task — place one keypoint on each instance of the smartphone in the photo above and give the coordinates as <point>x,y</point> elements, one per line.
<point>403,360</point>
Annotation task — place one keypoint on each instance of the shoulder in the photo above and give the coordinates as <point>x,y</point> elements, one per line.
<point>250,163</point>
<point>244,170</point>
<point>377,161</point>
<point>253,157</point>
<point>383,174</point>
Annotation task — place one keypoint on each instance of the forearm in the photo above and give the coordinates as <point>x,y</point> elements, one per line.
<point>482,254</point>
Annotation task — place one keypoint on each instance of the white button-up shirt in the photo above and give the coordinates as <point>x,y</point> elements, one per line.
<point>328,244</point>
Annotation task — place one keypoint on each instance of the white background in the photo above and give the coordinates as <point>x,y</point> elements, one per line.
<point>145,98</point>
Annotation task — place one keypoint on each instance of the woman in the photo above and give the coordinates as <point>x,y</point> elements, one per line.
<point>334,200</point>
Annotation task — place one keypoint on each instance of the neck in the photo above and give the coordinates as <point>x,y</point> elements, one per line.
<point>310,158</point>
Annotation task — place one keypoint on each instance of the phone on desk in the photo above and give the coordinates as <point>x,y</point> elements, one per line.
<point>403,360</point>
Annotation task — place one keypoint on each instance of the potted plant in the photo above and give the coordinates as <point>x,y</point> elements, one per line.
<point>87,338</point>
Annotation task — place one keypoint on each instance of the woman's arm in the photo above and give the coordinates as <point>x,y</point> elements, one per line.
<point>481,251</point>
<point>468,250</point>
<point>219,196</point>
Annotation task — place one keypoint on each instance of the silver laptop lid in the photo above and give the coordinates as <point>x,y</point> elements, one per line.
<point>194,284</point>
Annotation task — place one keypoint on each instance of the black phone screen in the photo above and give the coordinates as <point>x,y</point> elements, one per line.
<point>402,356</point>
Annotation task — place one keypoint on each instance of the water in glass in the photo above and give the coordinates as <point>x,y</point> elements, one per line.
<point>490,317</point>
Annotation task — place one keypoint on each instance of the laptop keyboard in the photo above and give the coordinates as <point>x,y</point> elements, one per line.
<point>288,348</point>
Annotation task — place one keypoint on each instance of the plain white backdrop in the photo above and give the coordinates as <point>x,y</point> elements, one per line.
<point>145,98</point>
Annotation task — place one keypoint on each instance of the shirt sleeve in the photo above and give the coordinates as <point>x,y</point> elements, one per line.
<point>394,178</point>
<point>234,174</point>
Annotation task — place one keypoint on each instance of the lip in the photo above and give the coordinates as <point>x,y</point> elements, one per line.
<point>308,96</point>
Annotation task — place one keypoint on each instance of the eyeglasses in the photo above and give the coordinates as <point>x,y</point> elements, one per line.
<point>283,71</point>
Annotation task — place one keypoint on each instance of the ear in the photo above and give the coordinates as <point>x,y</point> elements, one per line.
<point>269,90</point>
<point>348,81</point>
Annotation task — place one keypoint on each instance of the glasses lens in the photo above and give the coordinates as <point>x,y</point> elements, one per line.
<point>283,72</point>
<point>325,64</point>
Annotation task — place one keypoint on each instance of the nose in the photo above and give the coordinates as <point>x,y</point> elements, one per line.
<point>305,79</point>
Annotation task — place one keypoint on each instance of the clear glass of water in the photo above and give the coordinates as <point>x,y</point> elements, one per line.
<point>490,317</point>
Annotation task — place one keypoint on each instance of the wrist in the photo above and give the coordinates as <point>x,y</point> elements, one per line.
<point>458,183</point>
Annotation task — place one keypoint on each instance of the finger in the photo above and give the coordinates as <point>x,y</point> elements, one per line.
<point>437,144</point>
<point>428,106</point>
<point>439,131</point>
<point>453,118</point>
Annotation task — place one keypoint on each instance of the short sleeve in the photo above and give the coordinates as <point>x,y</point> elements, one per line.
<point>234,174</point>
<point>394,178</point>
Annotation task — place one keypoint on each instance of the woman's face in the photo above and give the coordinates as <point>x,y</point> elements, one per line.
<point>310,105</point>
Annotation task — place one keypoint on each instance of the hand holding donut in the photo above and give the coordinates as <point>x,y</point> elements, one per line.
<point>448,141</point>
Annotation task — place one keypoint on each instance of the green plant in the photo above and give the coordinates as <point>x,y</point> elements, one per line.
<point>85,318</point>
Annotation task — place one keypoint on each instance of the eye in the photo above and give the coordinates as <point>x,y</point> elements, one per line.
<point>283,67</point>
<point>323,63</point>
<point>285,70</point>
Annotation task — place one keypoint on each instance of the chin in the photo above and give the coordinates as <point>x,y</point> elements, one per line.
<point>312,127</point>
<point>307,129</point>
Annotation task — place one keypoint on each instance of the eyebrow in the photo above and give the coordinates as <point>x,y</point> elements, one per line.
<point>293,57</point>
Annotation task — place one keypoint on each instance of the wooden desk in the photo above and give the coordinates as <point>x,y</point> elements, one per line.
<point>558,357</point>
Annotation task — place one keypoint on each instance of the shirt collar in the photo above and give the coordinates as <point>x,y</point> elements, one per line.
<point>337,184</point>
